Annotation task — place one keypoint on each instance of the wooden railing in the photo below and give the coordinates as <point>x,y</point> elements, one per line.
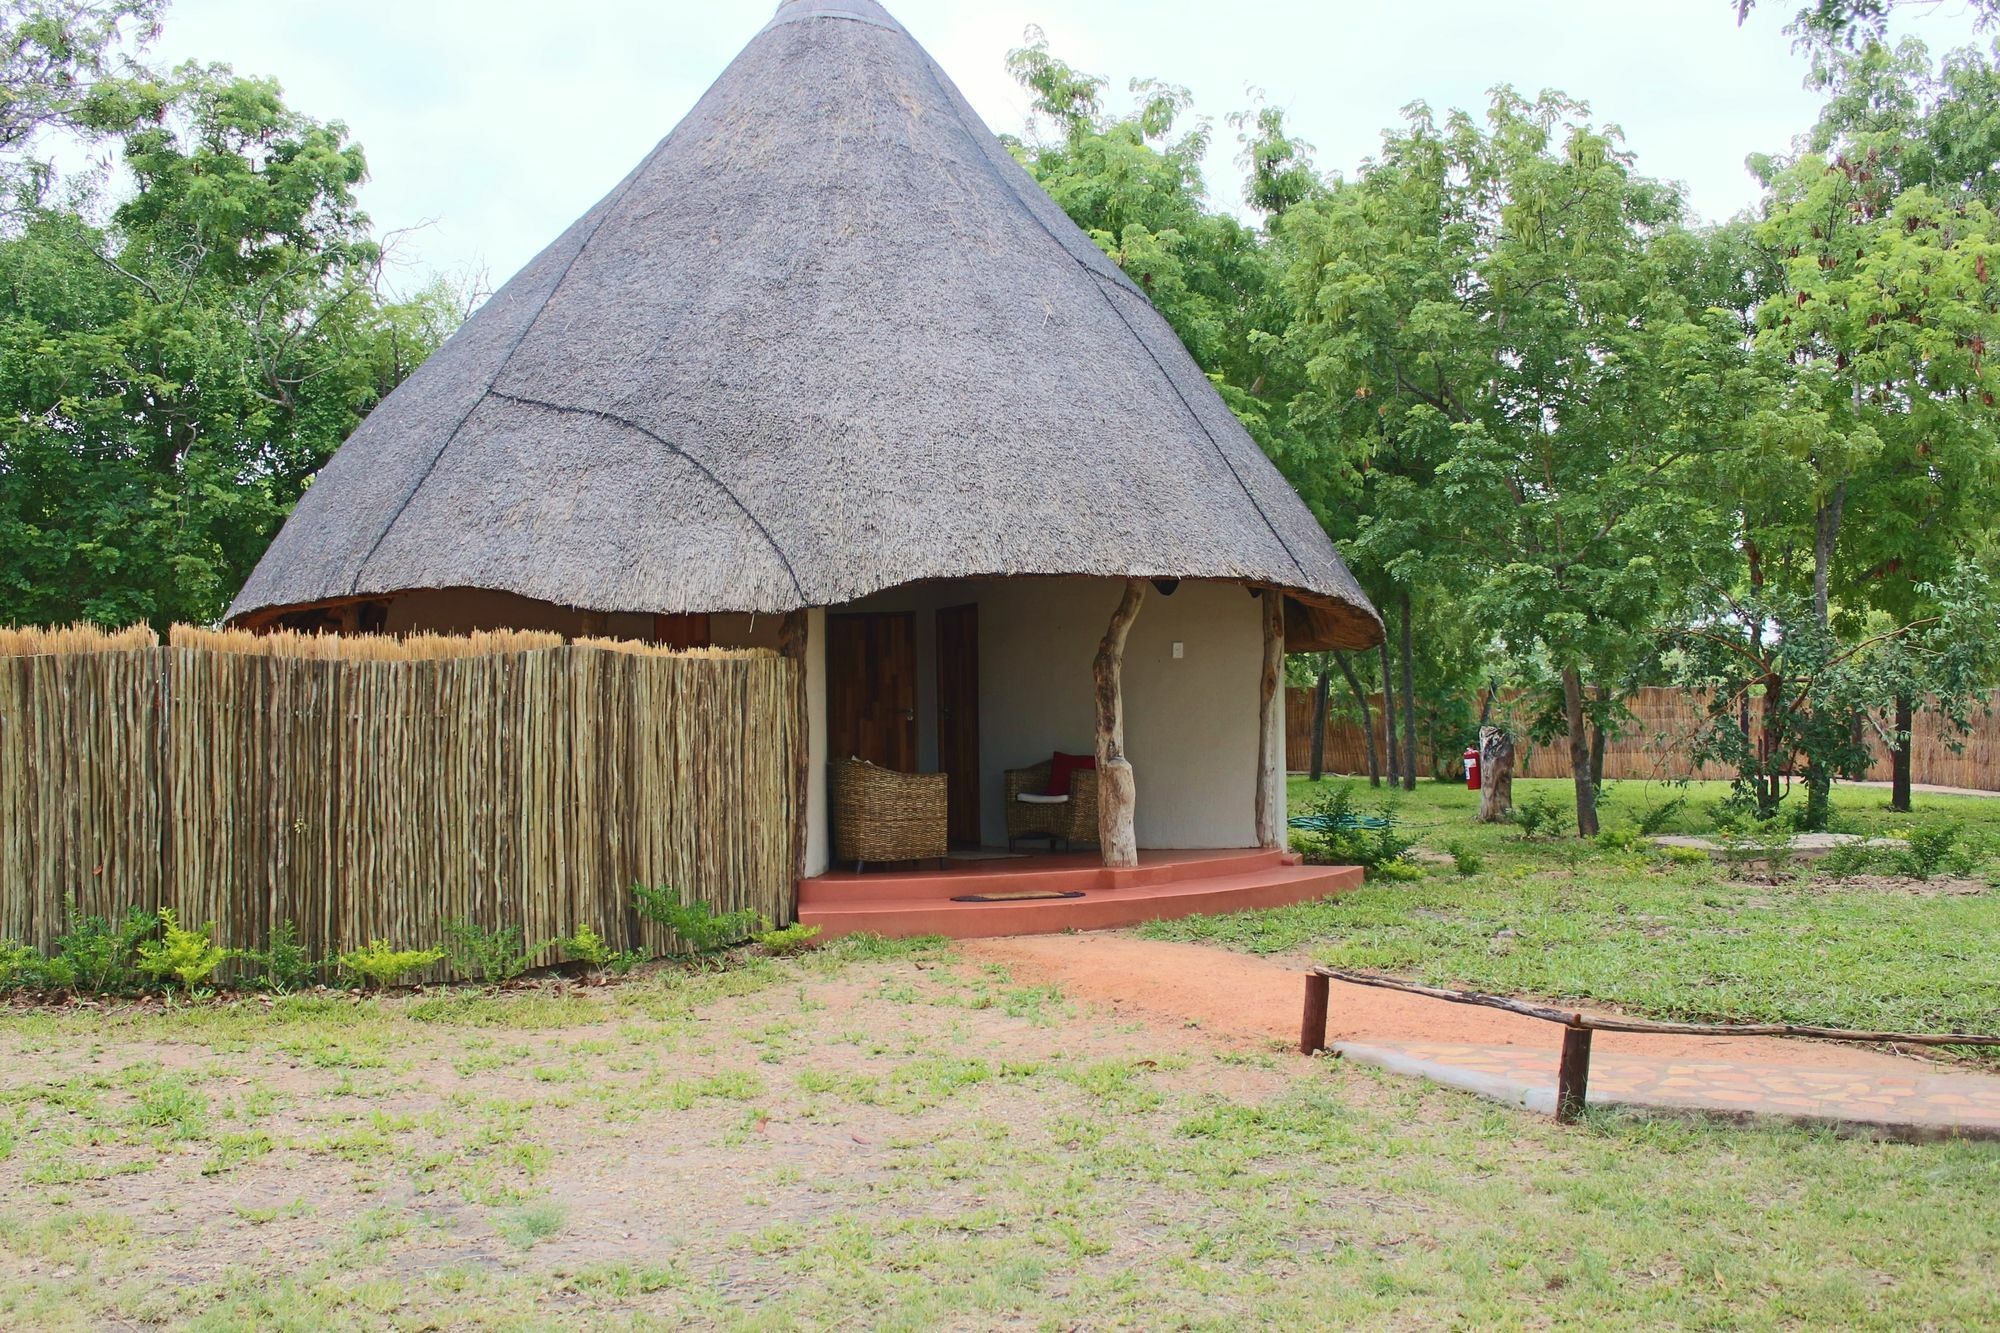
<point>1573,1074</point>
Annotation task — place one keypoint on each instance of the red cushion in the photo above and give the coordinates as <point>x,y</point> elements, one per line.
<point>1062,766</point>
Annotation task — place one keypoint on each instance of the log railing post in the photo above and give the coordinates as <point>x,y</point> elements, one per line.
<point>1117,797</point>
<point>1271,725</point>
<point>1573,1075</point>
<point>1312,1028</point>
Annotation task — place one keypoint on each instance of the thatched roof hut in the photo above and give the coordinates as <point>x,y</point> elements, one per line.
<point>828,338</point>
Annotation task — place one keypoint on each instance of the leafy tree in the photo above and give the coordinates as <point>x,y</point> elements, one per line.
<point>60,62</point>
<point>176,363</point>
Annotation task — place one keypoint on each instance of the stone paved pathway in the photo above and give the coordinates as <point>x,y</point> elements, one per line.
<point>1506,1056</point>
<point>1914,1102</point>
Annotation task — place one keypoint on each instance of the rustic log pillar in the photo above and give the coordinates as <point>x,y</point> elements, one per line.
<point>1116,794</point>
<point>792,647</point>
<point>1312,1023</point>
<point>1271,726</point>
<point>1573,1074</point>
<point>1496,775</point>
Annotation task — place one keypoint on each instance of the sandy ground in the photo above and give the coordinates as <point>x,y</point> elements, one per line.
<point>1256,999</point>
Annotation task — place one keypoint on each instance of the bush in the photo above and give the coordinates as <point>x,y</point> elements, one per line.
<point>1846,860</point>
<point>21,966</point>
<point>486,955</point>
<point>588,947</point>
<point>1543,816</point>
<point>787,939</point>
<point>1345,840</point>
<point>1464,859</point>
<point>285,964</point>
<point>1758,841</point>
<point>1623,836</point>
<point>1935,849</point>
<point>697,925</point>
<point>186,956</point>
<point>1688,856</point>
<point>97,955</point>
<point>1654,819</point>
<point>377,964</point>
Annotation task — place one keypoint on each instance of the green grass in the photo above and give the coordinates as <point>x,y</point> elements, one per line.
<point>938,1147</point>
<point>1571,920</point>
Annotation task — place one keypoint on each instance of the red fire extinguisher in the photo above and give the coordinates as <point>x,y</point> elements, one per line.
<point>1471,769</point>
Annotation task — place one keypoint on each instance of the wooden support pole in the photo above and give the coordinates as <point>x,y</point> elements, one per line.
<point>1117,797</point>
<point>792,634</point>
<point>1271,725</point>
<point>1312,1029</point>
<point>1573,1076</point>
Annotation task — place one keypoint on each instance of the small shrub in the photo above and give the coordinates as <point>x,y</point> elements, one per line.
<point>1464,859</point>
<point>187,956</point>
<point>21,966</point>
<point>1766,842</point>
<point>1935,849</point>
<point>378,965</point>
<point>1543,816</point>
<point>1846,860</point>
<point>484,954</point>
<point>1687,856</point>
<point>100,956</point>
<point>697,925</point>
<point>1623,836</point>
<point>1346,839</point>
<point>1655,819</point>
<point>1396,871</point>
<point>283,961</point>
<point>787,939</point>
<point>588,947</point>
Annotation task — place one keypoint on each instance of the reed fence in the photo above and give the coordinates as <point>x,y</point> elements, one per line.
<point>1654,744</point>
<point>377,789</point>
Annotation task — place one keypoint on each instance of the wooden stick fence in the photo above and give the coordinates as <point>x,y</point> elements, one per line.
<point>373,791</point>
<point>1573,1073</point>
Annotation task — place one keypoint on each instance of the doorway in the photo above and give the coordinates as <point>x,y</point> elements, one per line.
<point>871,688</point>
<point>958,718</point>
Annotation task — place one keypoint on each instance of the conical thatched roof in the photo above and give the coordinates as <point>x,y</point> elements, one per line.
<point>826,339</point>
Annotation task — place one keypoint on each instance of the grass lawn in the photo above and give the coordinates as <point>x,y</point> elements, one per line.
<point>1568,919</point>
<point>883,1136</point>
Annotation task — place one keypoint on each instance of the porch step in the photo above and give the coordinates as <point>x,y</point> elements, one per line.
<point>1066,872</point>
<point>1275,884</point>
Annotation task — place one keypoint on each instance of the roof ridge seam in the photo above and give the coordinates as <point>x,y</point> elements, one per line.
<point>678,452</point>
<point>514,345</point>
<point>782,19</point>
<point>999,178</point>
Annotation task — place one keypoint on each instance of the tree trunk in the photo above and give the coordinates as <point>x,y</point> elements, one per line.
<point>1117,796</point>
<point>1899,756</point>
<point>1597,738</point>
<point>1496,775</point>
<point>1826,533</point>
<point>1271,733</point>
<point>1321,683</point>
<point>1367,718</point>
<point>1579,754</point>
<point>1409,702</point>
<point>1392,750</point>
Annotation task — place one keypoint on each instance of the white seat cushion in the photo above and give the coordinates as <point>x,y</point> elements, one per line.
<point>1040,798</point>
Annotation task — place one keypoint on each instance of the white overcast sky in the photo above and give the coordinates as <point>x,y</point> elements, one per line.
<point>499,121</point>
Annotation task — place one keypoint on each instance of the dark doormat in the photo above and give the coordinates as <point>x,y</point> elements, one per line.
<point>1017,895</point>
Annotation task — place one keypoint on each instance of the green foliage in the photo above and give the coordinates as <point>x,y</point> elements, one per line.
<point>1374,849</point>
<point>787,939</point>
<point>283,962</point>
<point>1541,816</point>
<point>585,945</point>
<point>100,956</point>
<point>1846,860</point>
<point>22,966</point>
<point>1622,836</point>
<point>1757,842</point>
<point>1465,860</point>
<point>1935,849</point>
<point>376,964</point>
<point>186,956</point>
<point>695,924</point>
<point>1656,819</point>
<point>1688,856</point>
<point>487,954</point>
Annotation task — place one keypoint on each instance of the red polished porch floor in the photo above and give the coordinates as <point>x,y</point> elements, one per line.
<point>1164,885</point>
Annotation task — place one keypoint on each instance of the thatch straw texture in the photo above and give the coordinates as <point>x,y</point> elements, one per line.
<point>1654,744</point>
<point>362,796</point>
<point>827,338</point>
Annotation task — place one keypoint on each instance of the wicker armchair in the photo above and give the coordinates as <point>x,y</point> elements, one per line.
<point>1074,820</point>
<point>880,814</point>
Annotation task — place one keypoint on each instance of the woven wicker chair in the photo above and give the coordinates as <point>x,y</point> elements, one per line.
<point>1074,820</point>
<point>880,814</point>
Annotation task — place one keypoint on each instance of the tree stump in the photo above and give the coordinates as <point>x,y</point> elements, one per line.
<point>1496,775</point>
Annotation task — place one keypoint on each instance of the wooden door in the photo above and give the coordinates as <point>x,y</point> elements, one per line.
<point>871,688</point>
<point>958,717</point>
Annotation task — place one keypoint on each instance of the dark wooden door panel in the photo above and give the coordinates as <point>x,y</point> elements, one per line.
<point>871,667</point>
<point>958,717</point>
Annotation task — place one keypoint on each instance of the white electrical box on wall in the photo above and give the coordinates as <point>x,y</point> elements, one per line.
<point>1177,650</point>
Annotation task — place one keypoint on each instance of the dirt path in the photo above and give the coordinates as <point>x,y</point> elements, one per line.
<point>1246,998</point>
